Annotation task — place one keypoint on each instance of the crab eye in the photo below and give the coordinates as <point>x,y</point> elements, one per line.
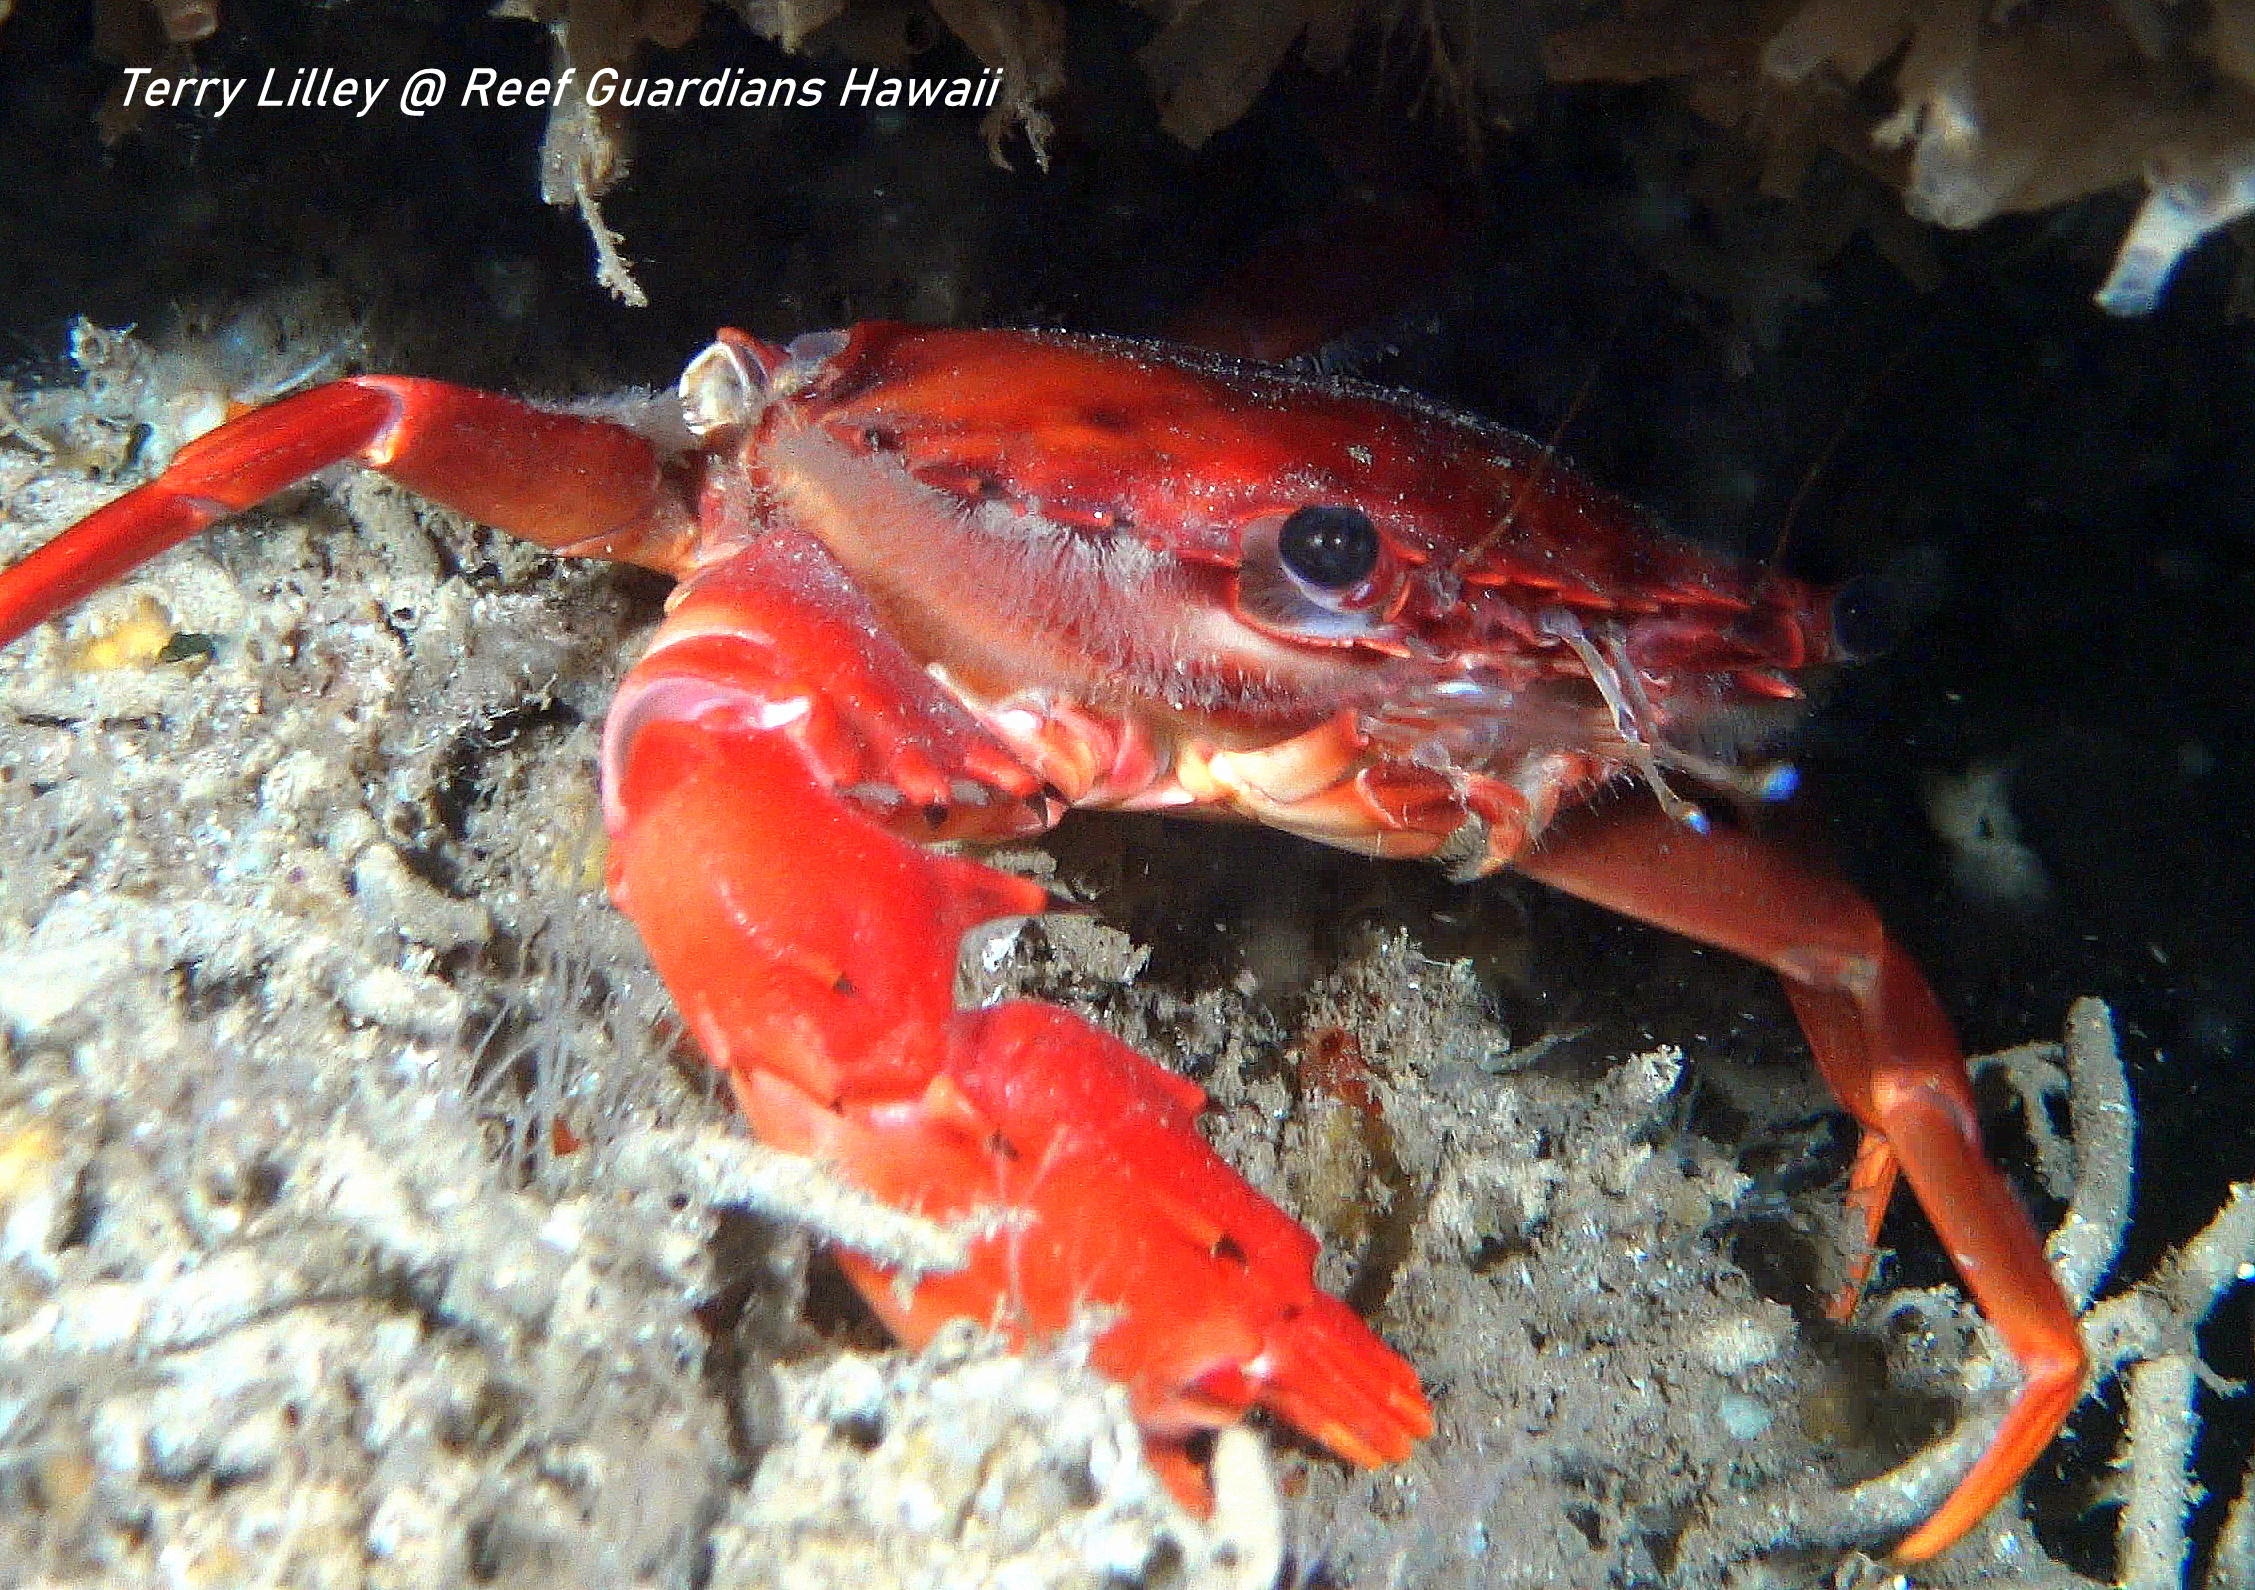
<point>1319,573</point>
<point>1329,545</point>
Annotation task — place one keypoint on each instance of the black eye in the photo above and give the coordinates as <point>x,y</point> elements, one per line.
<point>1329,545</point>
<point>1881,608</point>
<point>1863,622</point>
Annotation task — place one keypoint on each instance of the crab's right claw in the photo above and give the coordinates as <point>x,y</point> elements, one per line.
<point>828,1000</point>
<point>1215,1285</point>
<point>1111,1200</point>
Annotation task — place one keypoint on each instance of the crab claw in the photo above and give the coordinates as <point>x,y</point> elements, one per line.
<point>1316,1372</point>
<point>1110,1201</point>
<point>1217,1284</point>
<point>831,1012</point>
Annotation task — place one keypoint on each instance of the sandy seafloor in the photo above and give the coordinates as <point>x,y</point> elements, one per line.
<point>304,958</point>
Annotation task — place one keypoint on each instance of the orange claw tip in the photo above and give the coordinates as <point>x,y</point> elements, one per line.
<point>1328,1375</point>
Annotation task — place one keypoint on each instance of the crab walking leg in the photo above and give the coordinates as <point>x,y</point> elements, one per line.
<point>1889,1055</point>
<point>757,765</point>
<point>563,480</point>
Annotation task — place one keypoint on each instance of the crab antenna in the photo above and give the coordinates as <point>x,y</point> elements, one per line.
<point>1549,455</point>
<point>1848,417</point>
<point>1818,466</point>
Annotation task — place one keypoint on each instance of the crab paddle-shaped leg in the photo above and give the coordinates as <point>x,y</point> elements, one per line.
<point>940,585</point>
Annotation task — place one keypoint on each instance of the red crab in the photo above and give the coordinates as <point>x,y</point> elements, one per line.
<point>945,584</point>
